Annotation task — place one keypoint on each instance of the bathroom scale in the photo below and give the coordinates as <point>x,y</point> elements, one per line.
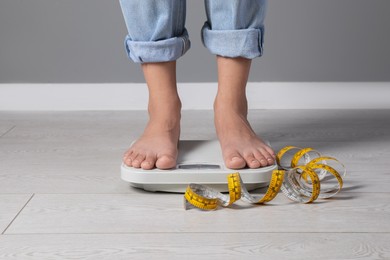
<point>199,161</point>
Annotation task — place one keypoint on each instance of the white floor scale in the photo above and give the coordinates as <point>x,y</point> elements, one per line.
<point>198,162</point>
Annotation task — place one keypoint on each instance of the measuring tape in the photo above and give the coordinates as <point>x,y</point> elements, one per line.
<point>304,175</point>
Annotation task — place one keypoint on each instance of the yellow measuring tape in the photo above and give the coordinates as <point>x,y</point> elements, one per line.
<point>304,175</point>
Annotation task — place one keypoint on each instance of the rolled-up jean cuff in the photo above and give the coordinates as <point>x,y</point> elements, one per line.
<point>157,51</point>
<point>247,43</point>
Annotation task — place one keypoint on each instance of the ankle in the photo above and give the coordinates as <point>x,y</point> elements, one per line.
<point>228,104</point>
<point>165,112</point>
<point>164,100</point>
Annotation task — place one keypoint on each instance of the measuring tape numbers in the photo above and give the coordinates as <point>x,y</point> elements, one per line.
<point>304,175</point>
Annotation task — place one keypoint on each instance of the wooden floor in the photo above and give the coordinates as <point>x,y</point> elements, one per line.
<point>61,196</point>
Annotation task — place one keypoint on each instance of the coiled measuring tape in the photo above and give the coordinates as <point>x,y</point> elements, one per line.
<point>304,175</point>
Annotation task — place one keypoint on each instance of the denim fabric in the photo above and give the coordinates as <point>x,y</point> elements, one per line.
<point>157,33</point>
<point>234,28</point>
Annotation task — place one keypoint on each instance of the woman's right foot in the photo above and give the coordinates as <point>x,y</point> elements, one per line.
<point>157,147</point>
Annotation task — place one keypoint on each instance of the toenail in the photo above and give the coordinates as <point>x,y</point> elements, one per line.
<point>235,158</point>
<point>146,163</point>
<point>254,162</point>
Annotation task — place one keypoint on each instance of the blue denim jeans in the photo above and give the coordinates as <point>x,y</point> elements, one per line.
<point>157,33</point>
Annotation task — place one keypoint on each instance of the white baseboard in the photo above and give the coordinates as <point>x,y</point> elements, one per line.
<point>132,96</point>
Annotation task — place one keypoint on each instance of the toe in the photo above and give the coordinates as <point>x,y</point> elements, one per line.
<point>130,159</point>
<point>267,156</point>
<point>165,162</point>
<point>270,161</point>
<point>132,156</point>
<point>149,162</point>
<point>127,158</point>
<point>234,161</point>
<point>251,161</point>
<point>138,160</point>
<point>128,162</point>
<point>260,157</point>
<point>127,153</point>
<point>271,152</point>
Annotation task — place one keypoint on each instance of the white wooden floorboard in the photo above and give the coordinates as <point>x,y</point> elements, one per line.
<point>62,178</point>
<point>79,152</point>
<point>356,156</point>
<point>127,213</point>
<point>196,246</point>
<point>10,205</point>
<point>361,181</point>
<point>4,129</point>
<point>117,127</point>
<point>70,161</point>
<point>38,151</point>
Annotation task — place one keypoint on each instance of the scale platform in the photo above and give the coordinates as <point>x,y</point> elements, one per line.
<point>198,162</point>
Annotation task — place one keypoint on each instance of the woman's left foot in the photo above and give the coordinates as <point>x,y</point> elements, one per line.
<point>240,145</point>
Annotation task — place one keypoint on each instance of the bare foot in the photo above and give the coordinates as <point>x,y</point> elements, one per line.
<point>240,145</point>
<point>157,147</point>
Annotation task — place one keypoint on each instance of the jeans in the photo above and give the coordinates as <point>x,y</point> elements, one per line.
<point>157,33</point>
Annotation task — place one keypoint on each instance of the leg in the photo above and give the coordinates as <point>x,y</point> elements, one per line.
<point>240,145</point>
<point>157,38</point>
<point>240,24</point>
<point>157,147</point>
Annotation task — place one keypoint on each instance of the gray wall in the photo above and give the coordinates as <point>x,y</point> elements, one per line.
<point>81,41</point>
